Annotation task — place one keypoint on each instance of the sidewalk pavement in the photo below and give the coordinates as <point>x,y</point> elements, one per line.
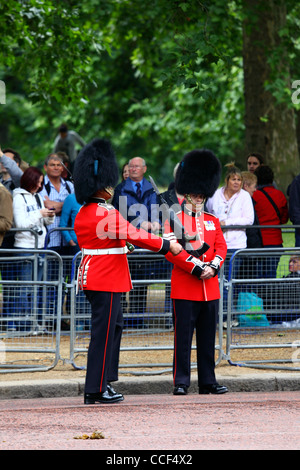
<point>147,385</point>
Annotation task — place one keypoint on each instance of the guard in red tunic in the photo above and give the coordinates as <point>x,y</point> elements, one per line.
<point>103,274</point>
<point>196,304</point>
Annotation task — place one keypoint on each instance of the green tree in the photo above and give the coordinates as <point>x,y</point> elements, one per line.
<point>270,118</point>
<point>157,77</point>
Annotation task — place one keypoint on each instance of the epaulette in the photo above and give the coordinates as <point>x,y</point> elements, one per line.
<point>101,203</point>
<point>209,213</point>
<point>106,206</point>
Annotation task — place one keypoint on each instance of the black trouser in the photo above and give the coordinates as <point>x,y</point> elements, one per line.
<point>104,348</point>
<point>189,315</point>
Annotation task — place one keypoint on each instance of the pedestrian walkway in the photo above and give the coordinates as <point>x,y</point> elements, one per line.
<point>163,425</point>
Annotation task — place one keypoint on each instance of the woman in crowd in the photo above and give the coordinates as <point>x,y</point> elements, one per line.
<point>29,213</point>
<point>125,171</point>
<point>233,206</point>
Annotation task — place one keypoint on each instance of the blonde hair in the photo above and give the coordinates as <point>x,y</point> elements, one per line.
<point>249,178</point>
<point>232,170</point>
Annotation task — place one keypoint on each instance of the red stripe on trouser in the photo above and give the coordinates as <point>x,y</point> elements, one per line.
<point>175,343</point>
<point>107,334</point>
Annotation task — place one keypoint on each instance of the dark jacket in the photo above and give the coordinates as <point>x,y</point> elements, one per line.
<point>254,238</point>
<point>133,209</point>
<point>294,201</point>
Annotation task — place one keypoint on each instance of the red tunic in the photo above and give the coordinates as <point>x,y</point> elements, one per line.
<point>184,285</point>
<point>101,226</point>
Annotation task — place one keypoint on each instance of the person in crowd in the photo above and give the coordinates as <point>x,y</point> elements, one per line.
<point>141,208</point>
<point>272,209</point>
<point>29,212</point>
<point>54,192</point>
<point>6,212</point>
<point>233,206</point>
<point>196,306</point>
<point>250,266</point>
<point>66,141</point>
<point>10,171</point>
<point>294,206</point>
<point>10,178</point>
<point>125,171</point>
<point>254,160</point>
<point>103,274</point>
<point>289,293</point>
<point>249,181</point>
<point>14,155</point>
<point>7,271</point>
<point>10,175</point>
<point>69,211</point>
<point>138,203</point>
<point>66,173</point>
<point>254,238</point>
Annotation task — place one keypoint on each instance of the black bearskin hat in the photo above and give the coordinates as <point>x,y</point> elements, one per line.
<point>95,168</point>
<point>198,173</point>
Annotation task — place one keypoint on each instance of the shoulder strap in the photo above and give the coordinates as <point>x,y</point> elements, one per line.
<point>38,201</point>
<point>271,201</point>
<point>47,187</point>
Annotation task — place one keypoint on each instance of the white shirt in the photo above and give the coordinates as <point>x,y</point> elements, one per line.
<point>238,210</point>
<point>26,210</point>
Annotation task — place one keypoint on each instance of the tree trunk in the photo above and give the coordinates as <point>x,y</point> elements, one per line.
<point>270,124</point>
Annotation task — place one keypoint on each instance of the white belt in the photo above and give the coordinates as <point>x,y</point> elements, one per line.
<point>106,251</point>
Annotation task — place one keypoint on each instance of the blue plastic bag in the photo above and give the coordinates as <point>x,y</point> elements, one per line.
<point>252,303</point>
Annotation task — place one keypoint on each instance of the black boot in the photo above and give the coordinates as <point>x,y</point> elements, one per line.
<point>213,388</point>
<point>101,397</point>
<point>113,393</point>
<point>180,389</point>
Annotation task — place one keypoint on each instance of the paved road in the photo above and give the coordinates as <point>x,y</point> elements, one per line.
<point>157,423</point>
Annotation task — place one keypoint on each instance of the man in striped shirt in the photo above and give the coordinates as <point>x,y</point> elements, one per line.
<point>54,193</point>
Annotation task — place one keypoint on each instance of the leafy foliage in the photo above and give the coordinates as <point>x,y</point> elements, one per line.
<point>157,77</point>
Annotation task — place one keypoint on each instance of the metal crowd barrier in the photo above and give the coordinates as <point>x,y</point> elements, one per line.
<point>31,301</point>
<point>263,313</point>
<point>147,313</point>
<point>27,344</point>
